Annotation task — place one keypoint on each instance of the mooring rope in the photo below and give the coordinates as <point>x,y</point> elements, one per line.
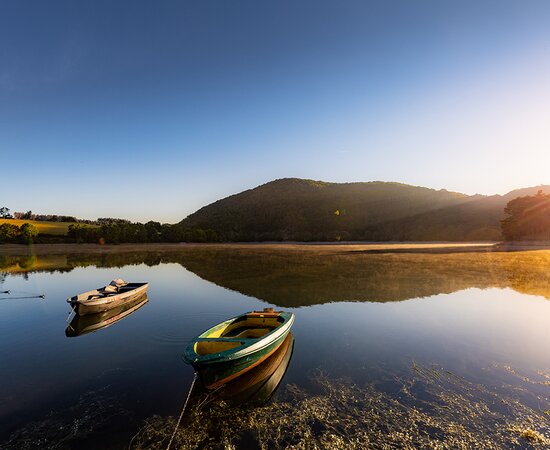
<point>195,376</point>
<point>23,294</point>
<point>15,298</point>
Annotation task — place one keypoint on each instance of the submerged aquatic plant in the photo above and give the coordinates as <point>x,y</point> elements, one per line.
<point>431,408</point>
<point>66,428</point>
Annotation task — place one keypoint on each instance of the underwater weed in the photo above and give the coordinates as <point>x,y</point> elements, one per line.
<point>337,413</point>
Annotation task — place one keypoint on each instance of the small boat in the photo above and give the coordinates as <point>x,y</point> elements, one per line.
<point>116,293</point>
<point>94,322</point>
<point>231,348</point>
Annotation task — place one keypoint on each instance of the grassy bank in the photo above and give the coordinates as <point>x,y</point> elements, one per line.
<point>51,228</point>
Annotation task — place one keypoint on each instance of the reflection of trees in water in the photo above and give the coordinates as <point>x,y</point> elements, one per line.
<point>529,273</point>
<point>308,277</point>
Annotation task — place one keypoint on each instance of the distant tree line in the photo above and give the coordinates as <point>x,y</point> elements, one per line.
<point>106,230</point>
<point>29,215</point>
<point>119,232</point>
<point>527,218</point>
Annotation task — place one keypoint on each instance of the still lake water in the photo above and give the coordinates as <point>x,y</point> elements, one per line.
<point>389,349</point>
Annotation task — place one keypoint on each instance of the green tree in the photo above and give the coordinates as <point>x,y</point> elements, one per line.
<point>9,232</point>
<point>154,231</point>
<point>5,213</point>
<point>527,218</point>
<point>28,232</point>
<point>83,233</point>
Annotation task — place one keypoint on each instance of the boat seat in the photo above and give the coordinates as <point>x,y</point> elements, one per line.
<point>224,339</point>
<point>109,289</point>
<point>262,314</point>
<point>248,331</point>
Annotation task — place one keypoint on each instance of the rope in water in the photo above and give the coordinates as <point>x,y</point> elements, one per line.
<point>195,376</point>
<point>23,294</point>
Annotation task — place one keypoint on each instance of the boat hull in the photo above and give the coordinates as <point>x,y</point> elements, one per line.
<point>215,374</point>
<point>102,304</point>
<point>235,346</point>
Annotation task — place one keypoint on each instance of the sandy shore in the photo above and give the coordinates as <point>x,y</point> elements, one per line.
<point>352,247</point>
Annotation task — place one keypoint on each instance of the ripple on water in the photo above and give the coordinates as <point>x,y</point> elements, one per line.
<point>177,334</point>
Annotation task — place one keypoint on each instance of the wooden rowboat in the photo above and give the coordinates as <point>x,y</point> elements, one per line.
<point>93,322</point>
<point>237,345</point>
<point>117,293</point>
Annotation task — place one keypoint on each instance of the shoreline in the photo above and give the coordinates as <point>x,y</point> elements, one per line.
<point>328,247</point>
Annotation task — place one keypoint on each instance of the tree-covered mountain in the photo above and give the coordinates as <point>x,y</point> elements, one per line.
<point>307,210</point>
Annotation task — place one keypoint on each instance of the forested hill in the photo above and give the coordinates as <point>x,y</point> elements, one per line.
<point>307,210</point>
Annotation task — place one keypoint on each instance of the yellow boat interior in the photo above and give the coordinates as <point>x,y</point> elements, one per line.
<point>227,335</point>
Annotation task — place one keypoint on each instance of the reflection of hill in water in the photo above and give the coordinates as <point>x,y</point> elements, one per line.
<point>308,277</point>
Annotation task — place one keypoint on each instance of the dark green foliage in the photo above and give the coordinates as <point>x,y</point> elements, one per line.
<point>28,233</point>
<point>83,233</point>
<point>154,231</point>
<point>527,218</point>
<point>306,210</point>
<point>109,220</point>
<point>53,218</point>
<point>126,232</point>
<point>9,233</point>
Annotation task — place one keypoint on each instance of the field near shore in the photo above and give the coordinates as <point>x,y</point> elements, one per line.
<point>52,228</point>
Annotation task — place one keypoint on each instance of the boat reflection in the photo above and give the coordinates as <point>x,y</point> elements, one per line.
<point>93,322</point>
<point>257,386</point>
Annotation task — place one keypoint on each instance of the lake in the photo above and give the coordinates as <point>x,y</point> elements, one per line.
<point>433,348</point>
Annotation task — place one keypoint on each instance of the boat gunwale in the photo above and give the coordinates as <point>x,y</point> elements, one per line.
<point>105,299</point>
<point>248,346</point>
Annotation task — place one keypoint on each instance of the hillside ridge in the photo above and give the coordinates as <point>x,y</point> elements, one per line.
<point>304,209</point>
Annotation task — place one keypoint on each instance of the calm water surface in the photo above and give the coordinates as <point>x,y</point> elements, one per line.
<point>431,333</point>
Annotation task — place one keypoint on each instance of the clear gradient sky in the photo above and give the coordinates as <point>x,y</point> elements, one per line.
<point>150,110</point>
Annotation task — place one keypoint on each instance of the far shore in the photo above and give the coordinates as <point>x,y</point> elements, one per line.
<point>324,247</point>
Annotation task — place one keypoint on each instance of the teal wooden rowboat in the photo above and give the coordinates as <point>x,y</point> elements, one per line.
<point>233,347</point>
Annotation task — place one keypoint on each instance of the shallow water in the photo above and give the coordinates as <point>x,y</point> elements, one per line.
<point>375,321</point>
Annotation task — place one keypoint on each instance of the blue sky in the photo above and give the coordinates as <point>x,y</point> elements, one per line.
<point>150,110</point>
